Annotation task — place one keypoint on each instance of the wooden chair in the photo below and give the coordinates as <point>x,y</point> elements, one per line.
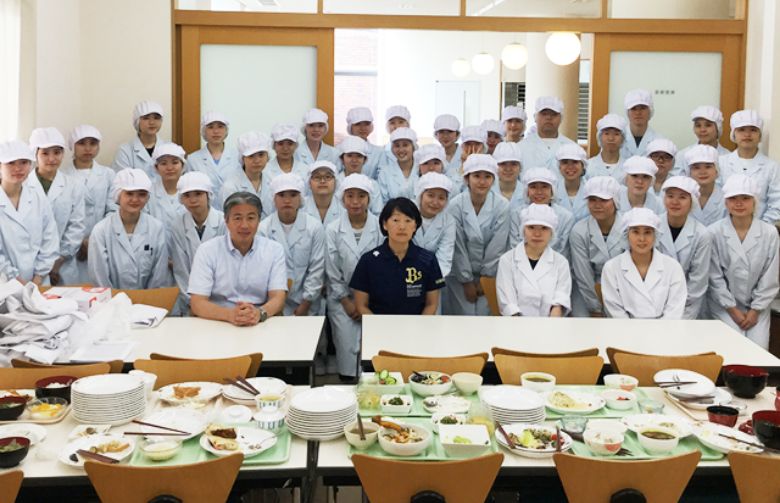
<point>389,481</point>
<point>756,477</point>
<point>27,377</point>
<point>644,367</point>
<point>566,369</point>
<point>116,366</point>
<point>158,297</point>
<point>406,364</point>
<point>10,482</point>
<point>489,287</point>
<point>586,480</point>
<point>175,371</point>
<point>512,352</point>
<point>205,481</point>
<point>257,359</point>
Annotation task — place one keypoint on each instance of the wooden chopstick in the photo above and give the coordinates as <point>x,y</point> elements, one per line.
<point>248,384</point>
<point>506,436</point>
<point>157,433</point>
<point>672,384</point>
<point>136,421</point>
<point>96,457</point>
<point>239,386</point>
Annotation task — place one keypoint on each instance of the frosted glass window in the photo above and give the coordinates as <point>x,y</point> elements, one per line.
<point>672,9</point>
<point>249,5</point>
<point>393,7</point>
<point>679,82</point>
<point>257,86</point>
<point>532,8</point>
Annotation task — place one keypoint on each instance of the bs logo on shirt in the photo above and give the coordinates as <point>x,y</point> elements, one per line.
<point>413,275</point>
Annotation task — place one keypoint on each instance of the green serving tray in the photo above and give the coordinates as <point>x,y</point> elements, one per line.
<point>417,405</point>
<point>604,412</point>
<point>631,442</point>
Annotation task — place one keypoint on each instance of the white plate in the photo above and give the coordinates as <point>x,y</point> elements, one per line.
<point>447,403</point>
<point>18,392</point>
<point>87,442</point>
<point>510,397</point>
<point>517,429</point>
<point>703,386</point>
<point>35,432</point>
<point>709,435</point>
<point>265,385</point>
<point>80,431</point>
<point>638,421</point>
<point>586,402</point>
<point>106,384</point>
<point>251,442</point>
<point>208,391</point>
<point>323,400</point>
<point>722,397</point>
<point>183,419</point>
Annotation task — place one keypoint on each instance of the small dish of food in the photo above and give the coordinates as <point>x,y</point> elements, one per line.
<point>396,405</point>
<point>370,431</point>
<point>467,383</point>
<point>657,440</point>
<point>603,442</point>
<point>533,440</point>
<point>383,382</point>
<point>446,418</point>
<point>430,383</point>
<point>621,381</point>
<point>47,408</point>
<point>573,402</point>
<point>403,439</point>
<point>11,407</point>
<point>13,450</point>
<point>464,440</point>
<point>538,381</point>
<point>446,403</point>
<point>160,449</point>
<point>716,436</point>
<point>119,448</point>
<point>679,425</point>
<point>193,394</point>
<point>88,430</point>
<point>226,440</point>
<point>56,386</point>
<point>617,399</point>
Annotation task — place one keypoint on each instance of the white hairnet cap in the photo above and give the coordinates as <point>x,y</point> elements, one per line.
<point>446,122</point>
<point>712,114</point>
<point>210,117</point>
<point>662,145</point>
<point>398,111</point>
<point>15,150</point>
<point>603,187</point>
<point>480,162</point>
<point>513,112</point>
<point>473,133</point>
<point>640,217</point>
<point>315,116</point>
<point>353,145</point>
<point>164,149</point>
<point>553,103</point>
<point>194,181</point>
<point>506,152</point>
<point>492,126</point>
<point>145,108</point>
<point>539,214</point>
<point>432,180</point>
<point>355,181</point>
<point>740,185</point>
<point>45,137</point>
<point>638,165</point>
<point>685,183</point>
<point>613,121</point>
<point>543,175</point>
<point>252,142</point>
<point>701,153</point>
<point>286,181</point>
<point>284,132</point>
<point>359,114</point>
<point>130,179</point>
<point>639,97</point>
<point>83,131</point>
<point>429,152</point>
<point>743,118</point>
<point>572,152</point>
<point>322,164</point>
<point>404,133</point>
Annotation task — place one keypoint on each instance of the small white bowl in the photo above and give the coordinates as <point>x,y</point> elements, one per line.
<point>658,445</point>
<point>369,381</point>
<point>160,450</point>
<point>437,417</point>
<point>617,399</point>
<point>352,434</point>
<point>606,425</point>
<point>430,389</point>
<point>603,442</point>
<point>388,408</point>
<point>465,440</point>
<point>236,414</point>
<point>538,381</point>
<point>621,381</point>
<point>410,449</point>
<point>467,382</point>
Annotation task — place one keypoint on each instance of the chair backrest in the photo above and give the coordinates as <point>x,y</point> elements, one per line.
<point>158,297</point>
<point>205,481</point>
<point>390,481</point>
<point>175,371</point>
<point>407,364</point>
<point>756,477</point>
<point>116,366</point>
<point>257,359</point>
<point>512,352</point>
<point>26,377</point>
<point>644,367</point>
<point>566,369</point>
<point>586,480</point>
<point>489,287</point>
<point>10,483</point>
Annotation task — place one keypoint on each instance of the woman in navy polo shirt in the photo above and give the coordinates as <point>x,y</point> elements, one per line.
<point>397,277</point>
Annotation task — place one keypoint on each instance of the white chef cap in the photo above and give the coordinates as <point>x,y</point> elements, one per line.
<point>446,122</point>
<point>15,150</point>
<point>603,187</point>
<point>492,126</point>
<point>315,116</point>
<point>353,145</point>
<point>662,145</point>
<point>513,112</point>
<point>404,133</point>
<point>613,121</point>
<point>252,142</point>
<point>701,153</point>
<point>743,118</point>
<point>194,181</point>
<point>543,175</point>
<point>81,132</point>
<point>430,152</point>
<point>640,217</point>
<point>284,132</point>
<point>473,133</point>
<point>639,97</point>
<point>45,137</point>
<point>359,114</point>
<point>553,103</point>
<point>685,183</point>
<point>286,181</point>
<point>638,165</point>
<point>480,162</point>
<point>210,117</point>
<point>172,149</point>
<point>355,181</point>
<point>572,152</point>
<point>505,152</point>
<point>710,113</point>
<point>130,179</point>
<point>398,111</point>
<point>145,108</point>
<point>322,164</point>
<point>432,180</point>
<point>739,185</point>
<point>539,214</point>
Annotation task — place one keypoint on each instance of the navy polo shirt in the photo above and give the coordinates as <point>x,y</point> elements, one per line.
<point>393,286</point>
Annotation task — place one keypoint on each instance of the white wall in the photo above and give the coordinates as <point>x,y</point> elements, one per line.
<point>762,74</point>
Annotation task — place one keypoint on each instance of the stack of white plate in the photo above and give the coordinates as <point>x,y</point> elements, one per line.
<point>321,413</point>
<point>512,404</point>
<point>108,399</point>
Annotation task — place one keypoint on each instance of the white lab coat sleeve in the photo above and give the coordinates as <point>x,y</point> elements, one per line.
<point>277,279</point>
<point>678,293</point>
<point>7,268</point>
<point>50,244</point>
<point>698,276</point>
<point>337,283</point>
<point>497,244</point>
<point>506,292</point>
<point>767,286</point>
<point>177,244</point>
<point>515,228</point>
<point>610,289</point>
<point>772,212</point>
<point>315,275</point>
<point>718,287</point>
<point>445,249</point>
<point>97,258</point>
<point>160,277</point>
<point>75,230</point>
<point>123,159</point>
<point>582,271</point>
<point>562,295</point>
<point>461,264</point>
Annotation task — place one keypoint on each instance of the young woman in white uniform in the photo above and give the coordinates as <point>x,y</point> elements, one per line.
<point>314,129</point>
<point>137,153</point>
<point>164,204</point>
<point>707,126</point>
<point>701,164</point>
<point>446,130</point>
<point>215,159</point>
<point>507,184</point>
<point>638,134</point>
<point>643,282</point>
<point>610,135</point>
<point>570,188</point>
<point>322,202</point>
<point>662,152</point>
<point>353,155</point>
<point>637,193</point>
<point>744,272</point>
<point>285,145</point>
<point>533,279</point>
<point>360,123</point>
<point>253,148</point>
<point>513,118</point>
<point>437,232</point>
<point>398,176</point>
<point>495,134</point>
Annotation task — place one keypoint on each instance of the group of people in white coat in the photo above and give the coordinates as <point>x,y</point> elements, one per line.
<point>639,230</point>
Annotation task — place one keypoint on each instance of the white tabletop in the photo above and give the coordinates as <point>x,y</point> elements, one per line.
<point>461,335</point>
